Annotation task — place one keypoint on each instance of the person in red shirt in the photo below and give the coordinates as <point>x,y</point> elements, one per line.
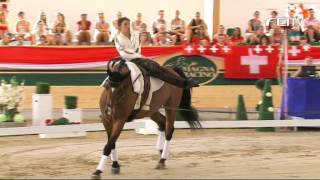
<point>201,37</point>
<point>84,36</point>
<point>4,28</point>
<point>236,37</point>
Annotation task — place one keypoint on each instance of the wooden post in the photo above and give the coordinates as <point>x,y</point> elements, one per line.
<point>216,15</point>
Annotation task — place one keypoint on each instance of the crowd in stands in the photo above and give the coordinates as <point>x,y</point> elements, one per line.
<point>44,33</point>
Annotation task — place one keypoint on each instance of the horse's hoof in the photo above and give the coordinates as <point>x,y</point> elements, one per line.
<point>115,171</point>
<point>95,176</point>
<point>161,166</point>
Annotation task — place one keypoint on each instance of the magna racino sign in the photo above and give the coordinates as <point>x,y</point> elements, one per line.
<point>199,68</point>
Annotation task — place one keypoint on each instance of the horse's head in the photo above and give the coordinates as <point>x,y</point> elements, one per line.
<point>117,71</point>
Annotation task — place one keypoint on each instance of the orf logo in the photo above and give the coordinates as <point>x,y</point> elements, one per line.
<point>199,68</point>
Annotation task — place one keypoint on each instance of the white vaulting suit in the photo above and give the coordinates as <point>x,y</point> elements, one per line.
<point>128,48</point>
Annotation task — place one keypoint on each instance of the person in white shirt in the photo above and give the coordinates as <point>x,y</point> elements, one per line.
<point>129,47</point>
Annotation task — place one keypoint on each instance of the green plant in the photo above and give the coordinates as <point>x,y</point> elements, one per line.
<point>71,102</point>
<point>43,88</point>
<point>266,109</point>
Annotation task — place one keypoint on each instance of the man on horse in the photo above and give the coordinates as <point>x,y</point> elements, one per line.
<point>129,47</point>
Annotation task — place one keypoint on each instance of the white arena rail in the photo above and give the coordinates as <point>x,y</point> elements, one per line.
<point>140,124</point>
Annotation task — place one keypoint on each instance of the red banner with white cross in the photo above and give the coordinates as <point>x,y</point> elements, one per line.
<point>254,62</point>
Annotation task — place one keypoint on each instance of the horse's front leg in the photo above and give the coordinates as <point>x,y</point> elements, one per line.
<point>107,151</point>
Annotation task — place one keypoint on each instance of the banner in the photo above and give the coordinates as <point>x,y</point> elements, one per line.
<point>68,57</point>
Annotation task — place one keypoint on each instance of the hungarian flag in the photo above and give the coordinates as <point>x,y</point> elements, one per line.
<point>253,62</point>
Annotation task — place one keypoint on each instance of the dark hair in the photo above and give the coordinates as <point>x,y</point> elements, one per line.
<point>274,12</point>
<point>121,20</point>
<point>20,13</point>
<point>264,37</point>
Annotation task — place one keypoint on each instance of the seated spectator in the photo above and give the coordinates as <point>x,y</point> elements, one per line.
<point>137,23</point>
<point>145,36</point>
<point>39,30</point>
<point>307,70</point>
<point>4,9</point>
<point>83,34</point>
<point>42,41</point>
<point>60,21</point>
<point>58,40</point>
<point>254,23</point>
<point>20,40</point>
<point>102,31</point>
<point>237,38</point>
<point>312,34</point>
<point>201,37</point>
<point>312,20</point>
<point>295,29</point>
<point>115,28</point>
<point>253,39</point>
<point>23,26</point>
<point>264,41</point>
<point>260,32</point>
<point>66,35</point>
<point>178,27</point>
<point>304,41</point>
<point>51,40</point>
<point>194,26</point>
<point>42,19</point>
<point>162,37</point>
<point>159,22</point>
<point>221,32</point>
<point>7,39</point>
<point>272,24</point>
<point>276,38</point>
<point>4,26</point>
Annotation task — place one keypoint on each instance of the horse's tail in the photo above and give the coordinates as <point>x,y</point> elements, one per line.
<point>187,111</point>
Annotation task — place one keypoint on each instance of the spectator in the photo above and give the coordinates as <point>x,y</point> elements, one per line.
<point>51,40</point>
<point>276,38</point>
<point>252,39</point>
<point>194,26</point>
<point>83,34</point>
<point>43,41</point>
<point>312,20</point>
<point>312,34</point>
<point>304,41</point>
<point>66,35</point>
<point>22,25</point>
<point>4,9</point>
<point>162,37</point>
<point>58,40</point>
<point>260,32</point>
<point>272,24</point>
<point>295,31</point>
<point>137,23</point>
<point>102,31</point>
<point>201,37</point>
<point>255,23</point>
<point>264,40</point>
<point>60,21</point>
<point>39,30</point>
<point>43,19</point>
<point>20,40</point>
<point>115,28</point>
<point>159,22</point>
<point>145,36</point>
<point>7,39</point>
<point>221,32</point>
<point>178,28</point>
<point>237,38</point>
<point>4,27</point>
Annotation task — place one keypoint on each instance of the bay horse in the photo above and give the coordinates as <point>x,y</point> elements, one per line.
<point>117,107</point>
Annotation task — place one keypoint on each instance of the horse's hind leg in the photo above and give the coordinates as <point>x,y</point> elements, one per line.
<point>161,121</point>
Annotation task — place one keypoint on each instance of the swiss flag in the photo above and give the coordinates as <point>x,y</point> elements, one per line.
<point>253,62</point>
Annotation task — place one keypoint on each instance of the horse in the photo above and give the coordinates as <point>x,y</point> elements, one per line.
<point>117,103</point>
